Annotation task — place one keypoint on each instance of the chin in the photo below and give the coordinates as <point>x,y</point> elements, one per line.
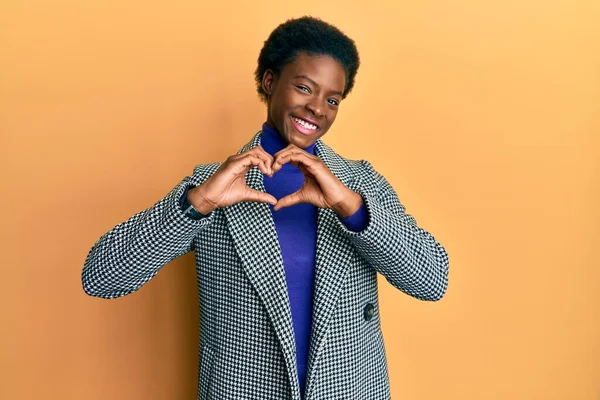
<point>301,141</point>
<point>298,138</point>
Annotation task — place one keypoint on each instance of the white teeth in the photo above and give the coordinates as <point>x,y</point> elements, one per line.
<point>305,124</point>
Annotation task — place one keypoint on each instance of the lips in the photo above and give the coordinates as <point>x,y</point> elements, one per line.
<point>304,126</point>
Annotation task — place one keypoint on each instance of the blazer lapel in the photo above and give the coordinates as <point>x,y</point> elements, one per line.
<point>330,273</point>
<point>253,230</point>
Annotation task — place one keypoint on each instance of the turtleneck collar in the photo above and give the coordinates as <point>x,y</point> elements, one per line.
<point>272,141</point>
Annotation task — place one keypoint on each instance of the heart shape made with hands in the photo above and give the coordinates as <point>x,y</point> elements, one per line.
<point>320,188</point>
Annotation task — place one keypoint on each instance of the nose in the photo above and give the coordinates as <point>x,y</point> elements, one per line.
<point>315,106</point>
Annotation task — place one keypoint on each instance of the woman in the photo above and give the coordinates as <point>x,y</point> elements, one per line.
<point>288,236</point>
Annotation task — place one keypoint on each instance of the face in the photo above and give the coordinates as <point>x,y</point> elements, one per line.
<point>303,100</point>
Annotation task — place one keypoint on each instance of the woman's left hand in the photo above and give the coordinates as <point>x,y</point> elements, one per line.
<point>321,188</point>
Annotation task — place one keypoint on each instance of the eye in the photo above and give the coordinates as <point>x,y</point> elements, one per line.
<point>303,88</point>
<point>333,102</point>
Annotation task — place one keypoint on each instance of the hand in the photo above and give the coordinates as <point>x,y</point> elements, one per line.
<point>321,188</point>
<point>227,185</point>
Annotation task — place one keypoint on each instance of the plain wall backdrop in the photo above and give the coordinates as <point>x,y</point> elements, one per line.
<point>484,116</point>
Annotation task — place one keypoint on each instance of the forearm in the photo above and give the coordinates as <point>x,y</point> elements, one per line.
<point>133,252</point>
<point>407,256</point>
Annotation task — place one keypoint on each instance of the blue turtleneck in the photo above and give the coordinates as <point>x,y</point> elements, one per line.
<point>296,228</point>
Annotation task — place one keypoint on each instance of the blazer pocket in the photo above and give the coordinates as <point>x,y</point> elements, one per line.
<point>205,373</point>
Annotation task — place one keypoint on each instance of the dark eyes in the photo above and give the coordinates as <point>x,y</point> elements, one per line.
<point>305,89</point>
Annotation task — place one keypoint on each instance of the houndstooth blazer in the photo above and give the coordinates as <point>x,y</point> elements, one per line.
<point>247,348</point>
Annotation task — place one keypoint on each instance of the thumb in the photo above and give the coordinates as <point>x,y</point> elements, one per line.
<point>288,201</point>
<point>260,197</point>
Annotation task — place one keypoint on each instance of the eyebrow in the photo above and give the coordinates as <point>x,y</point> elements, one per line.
<point>315,83</point>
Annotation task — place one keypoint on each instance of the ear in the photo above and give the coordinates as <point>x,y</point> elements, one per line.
<point>268,81</point>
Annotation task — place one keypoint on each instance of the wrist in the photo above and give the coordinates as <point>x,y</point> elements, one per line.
<point>199,201</point>
<point>348,207</point>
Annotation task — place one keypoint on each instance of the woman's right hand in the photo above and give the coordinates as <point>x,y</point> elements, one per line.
<point>227,185</point>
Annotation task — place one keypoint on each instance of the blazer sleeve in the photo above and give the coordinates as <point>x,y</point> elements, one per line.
<point>132,253</point>
<point>408,257</point>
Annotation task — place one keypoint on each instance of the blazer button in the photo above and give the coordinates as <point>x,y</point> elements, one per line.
<point>369,311</point>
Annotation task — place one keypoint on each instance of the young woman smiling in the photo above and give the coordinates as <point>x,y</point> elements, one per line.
<point>289,237</point>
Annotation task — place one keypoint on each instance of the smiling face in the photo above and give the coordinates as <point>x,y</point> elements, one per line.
<point>303,100</point>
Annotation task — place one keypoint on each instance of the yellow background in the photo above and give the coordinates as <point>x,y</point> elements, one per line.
<point>484,115</point>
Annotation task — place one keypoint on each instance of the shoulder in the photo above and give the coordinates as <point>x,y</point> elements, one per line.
<point>357,169</point>
<point>361,176</point>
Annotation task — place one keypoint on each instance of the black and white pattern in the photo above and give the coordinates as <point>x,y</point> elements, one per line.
<point>247,348</point>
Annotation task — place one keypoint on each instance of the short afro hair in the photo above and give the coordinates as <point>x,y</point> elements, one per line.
<point>311,36</point>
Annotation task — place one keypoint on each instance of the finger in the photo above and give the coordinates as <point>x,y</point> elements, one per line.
<point>266,157</point>
<point>288,201</point>
<point>250,160</point>
<point>264,167</point>
<point>262,153</point>
<point>289,149</point>
<point>280,158</point>
<point>294,149</point>
<point>257,151</point>
<point>295,158</point>
<point>261,197</point>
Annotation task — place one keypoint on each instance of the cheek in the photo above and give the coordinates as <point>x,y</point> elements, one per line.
<point>277,110</point>
<point>331,115</point>
<point>294,99</point>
